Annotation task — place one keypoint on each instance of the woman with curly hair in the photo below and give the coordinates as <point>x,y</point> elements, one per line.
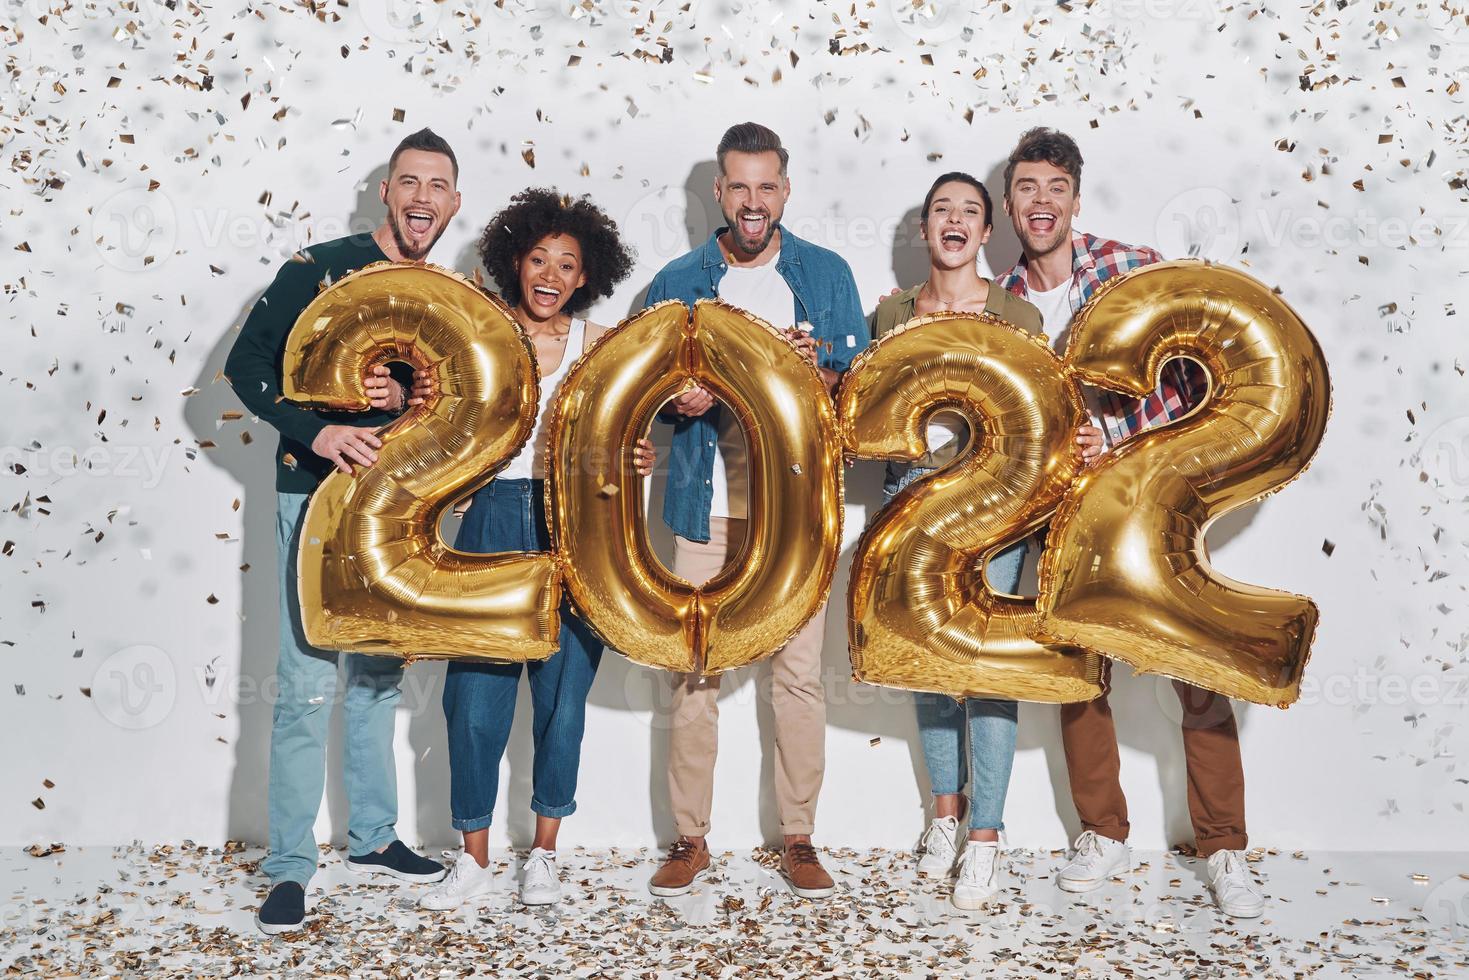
<point>551,256</point>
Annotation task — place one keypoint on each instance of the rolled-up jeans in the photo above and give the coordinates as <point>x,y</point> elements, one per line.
<point>983,765</point>
<point>479,696</point>
<point>307,680</point>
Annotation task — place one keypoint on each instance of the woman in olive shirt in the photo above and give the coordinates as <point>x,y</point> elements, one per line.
<point>956,222</point>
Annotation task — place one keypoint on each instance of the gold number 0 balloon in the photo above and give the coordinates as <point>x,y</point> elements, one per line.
<point>781,577</point>
<point>920,613</point>
<point>374,575</point>
<point>1126,571</point>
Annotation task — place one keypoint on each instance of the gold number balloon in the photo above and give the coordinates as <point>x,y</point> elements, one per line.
<point>782,575</point>
<point>920,613</point>
<point>1126,572</point>
<point>374,574</point>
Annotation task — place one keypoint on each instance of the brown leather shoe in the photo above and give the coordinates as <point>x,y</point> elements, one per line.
<point>685,862</point>
<point>803,872</point>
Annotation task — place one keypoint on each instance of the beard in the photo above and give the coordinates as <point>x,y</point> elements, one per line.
<point>750,246</point>
<point>405,247</point>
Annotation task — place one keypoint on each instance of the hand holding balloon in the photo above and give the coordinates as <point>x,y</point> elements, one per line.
<point>382,391</point>
<point>424,387</point>
<point>1089,444</point>
<point>805,343</point>
<point>693,402</point>
<point>644,457</point>
<point>344,445</point>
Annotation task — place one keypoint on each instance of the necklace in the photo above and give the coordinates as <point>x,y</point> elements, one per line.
<point>928,292</point>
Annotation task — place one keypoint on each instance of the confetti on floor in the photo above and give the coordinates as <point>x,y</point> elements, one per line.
<point>187,911</point>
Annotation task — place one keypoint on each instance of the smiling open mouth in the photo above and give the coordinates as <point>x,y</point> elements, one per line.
<point>1041,221</point>
<point>753,223</point>
<point>419,222</point>
<point>545,294</point>
<point>954,240</point>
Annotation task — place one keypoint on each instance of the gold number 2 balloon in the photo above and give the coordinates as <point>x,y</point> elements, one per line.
<point>782,575</point>
<point>920,613</point>
<point>374,574</point>
<point>1126,572</point>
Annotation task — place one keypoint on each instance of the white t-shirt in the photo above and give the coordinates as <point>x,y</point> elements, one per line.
<point>761,290</point>
<point>1056,315</point>
<point>1055,307</point>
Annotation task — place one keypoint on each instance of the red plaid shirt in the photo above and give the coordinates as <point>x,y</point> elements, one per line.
<point>1182,384</point>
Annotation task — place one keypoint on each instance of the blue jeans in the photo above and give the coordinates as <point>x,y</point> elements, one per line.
<point>307,677</point>
<point>990,724</point>
<point>479,697</point>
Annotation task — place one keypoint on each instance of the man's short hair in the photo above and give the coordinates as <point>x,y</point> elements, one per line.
<point>751,137</point>
<point>1045,145</point>
<point>428,140</point>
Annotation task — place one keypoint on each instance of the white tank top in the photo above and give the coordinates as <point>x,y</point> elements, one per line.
<point>530,462</point>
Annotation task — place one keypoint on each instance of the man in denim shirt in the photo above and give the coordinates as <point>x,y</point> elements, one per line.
<point>756,264</point>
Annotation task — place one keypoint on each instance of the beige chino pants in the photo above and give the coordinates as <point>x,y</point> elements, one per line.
<point>796,695</point>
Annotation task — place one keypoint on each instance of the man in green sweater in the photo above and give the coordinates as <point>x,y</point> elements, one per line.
<point>420,196</point>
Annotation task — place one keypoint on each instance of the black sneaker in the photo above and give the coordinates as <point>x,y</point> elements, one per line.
<point>398,861</point>
<point>284,909</point>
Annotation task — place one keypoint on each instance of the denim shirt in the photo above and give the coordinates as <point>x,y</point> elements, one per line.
<point>826,298</point>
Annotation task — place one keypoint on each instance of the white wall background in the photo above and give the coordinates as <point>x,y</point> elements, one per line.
<point>162,161</point>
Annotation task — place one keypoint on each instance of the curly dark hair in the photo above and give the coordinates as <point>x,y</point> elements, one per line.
<point>537,212</point>
<point>1042,145</point>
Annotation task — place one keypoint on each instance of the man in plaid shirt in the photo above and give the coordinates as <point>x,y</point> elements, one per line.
<point>1092,261</point>
<point>1058,272</point>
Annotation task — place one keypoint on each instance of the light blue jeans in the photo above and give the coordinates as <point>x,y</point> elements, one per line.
<point>307,678</point>
<point>990,724</point>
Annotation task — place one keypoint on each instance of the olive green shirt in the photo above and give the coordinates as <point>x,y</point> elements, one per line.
<point>898,309</point>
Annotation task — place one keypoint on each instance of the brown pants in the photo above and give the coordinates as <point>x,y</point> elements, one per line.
<point>1216,777</point>
<point>796,693</point>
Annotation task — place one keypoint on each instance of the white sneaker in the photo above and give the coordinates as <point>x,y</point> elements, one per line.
<point>1235,891</point>
<point>979,875</point>
<point>1094,860</point>
<point>541,881</point>
<point>937,847</point>
<point>465,884</point>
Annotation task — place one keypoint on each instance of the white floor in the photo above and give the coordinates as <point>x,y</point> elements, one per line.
<point>187,911</point>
